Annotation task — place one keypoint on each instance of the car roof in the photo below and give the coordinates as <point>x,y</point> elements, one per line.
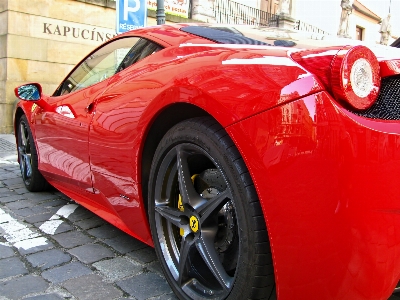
<point>254,36</point>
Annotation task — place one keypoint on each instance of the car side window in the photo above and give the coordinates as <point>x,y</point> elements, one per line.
<point>106,62</point>
<point>142,49</point>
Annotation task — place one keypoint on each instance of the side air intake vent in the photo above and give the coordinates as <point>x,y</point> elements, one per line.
<point>387,106</point>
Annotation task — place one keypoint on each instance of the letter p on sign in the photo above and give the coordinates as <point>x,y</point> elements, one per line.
<point>128,8</point>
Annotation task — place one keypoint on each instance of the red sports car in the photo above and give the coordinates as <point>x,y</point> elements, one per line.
<point>258,164</point>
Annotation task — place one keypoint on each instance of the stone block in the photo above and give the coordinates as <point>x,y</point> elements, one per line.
<point>22,286</point>
<point>48,259</point>
<point>72,239</point>
<point>91,287</point>
<point>125,243</point>
<point>45,297</point>
<point>21,47</point>
<point>33,245</point>
<point>11,267</point>
<point>8,197</point>
<point>3,19</point>
<point>6,251</point>
<point>15,205</point>
<point>89,223</point>
<point>91,253</point>
<point>106,231</point>
<point>3,76</point>
<point>3,48</point>
<point>118,268</point>
<point>80,213</point>
<point>145,255</point>
<point>145,285</point>
<point>20,71</point>
<point>67,53</point>
<point>65,272</point>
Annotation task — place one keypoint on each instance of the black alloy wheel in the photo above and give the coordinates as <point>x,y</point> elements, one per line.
<point>206,220</point>
<point>27,158</point>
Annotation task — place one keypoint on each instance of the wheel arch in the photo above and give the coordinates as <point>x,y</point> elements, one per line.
<point>18,113</point>
<point>164,121</point>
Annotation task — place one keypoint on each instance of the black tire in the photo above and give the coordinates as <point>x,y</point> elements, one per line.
<point>27,158</point>
<point>203,208</point>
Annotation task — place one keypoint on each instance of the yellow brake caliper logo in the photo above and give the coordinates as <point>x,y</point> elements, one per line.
<point>194,223</point>
<point>181,208</point>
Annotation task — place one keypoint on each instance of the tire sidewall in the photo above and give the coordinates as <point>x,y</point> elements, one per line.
<point>36,181</point>
<point>190,132</point>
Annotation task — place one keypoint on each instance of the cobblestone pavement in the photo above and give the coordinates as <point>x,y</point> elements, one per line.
<point>52,248</point>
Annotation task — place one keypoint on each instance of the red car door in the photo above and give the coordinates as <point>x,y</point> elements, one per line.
<point>63,132</point>
<point>113,137</point>
<point>62,137</point>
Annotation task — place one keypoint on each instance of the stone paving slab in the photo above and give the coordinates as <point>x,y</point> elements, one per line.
<point>23,249</point>
<point>65,272</point>
<point>72,239</point>
<point>12,266</point>
<point>144,285</point>
<point>91,253</point>
<point>82,257</point>
<point>23,286</point>
<point>6,251</point>
<point>48,259</point>
<point>118,268</point>
<point>92,287</point>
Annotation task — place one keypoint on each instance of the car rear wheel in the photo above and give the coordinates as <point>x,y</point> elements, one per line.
<point>27,158</point>
<point>207,225</point>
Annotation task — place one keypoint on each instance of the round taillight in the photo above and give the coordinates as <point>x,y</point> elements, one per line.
<point>355,76</point>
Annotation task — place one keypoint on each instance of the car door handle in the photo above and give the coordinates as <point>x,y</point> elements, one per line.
<point>89,109</point>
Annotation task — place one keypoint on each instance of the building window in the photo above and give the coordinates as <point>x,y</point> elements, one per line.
<point>359,33</point>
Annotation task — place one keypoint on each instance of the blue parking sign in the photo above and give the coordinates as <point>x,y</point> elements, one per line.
<point>131,14</point>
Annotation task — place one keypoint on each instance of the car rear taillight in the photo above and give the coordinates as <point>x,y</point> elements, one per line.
<point>350,73</point>
<point>355,76</point>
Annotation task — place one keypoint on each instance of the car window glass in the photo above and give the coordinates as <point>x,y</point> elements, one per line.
<point>142,49</point>
<point>99,66</point>
<point>107,61</point>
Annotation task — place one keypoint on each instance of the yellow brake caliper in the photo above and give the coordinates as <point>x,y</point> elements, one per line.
<point>180,205</point>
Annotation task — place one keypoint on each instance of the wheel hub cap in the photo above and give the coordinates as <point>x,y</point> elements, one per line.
<point>194,224</point>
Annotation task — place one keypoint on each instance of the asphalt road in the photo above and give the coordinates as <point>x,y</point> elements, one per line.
<point>52,248</point>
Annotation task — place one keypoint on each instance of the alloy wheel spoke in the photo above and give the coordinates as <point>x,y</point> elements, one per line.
<point>173,216</point>
<point>205,246</point>
<point>24,139</point>
<point>186,188</point>
<point>22,165</point>
<point>28,165</point>
<point>184,252</point>
<point>213,204</point>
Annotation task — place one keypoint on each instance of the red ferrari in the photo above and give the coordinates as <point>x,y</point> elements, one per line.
<point>259,165</point>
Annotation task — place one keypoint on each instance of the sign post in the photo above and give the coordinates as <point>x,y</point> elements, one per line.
<point>160,13</point>
<point>131,14</point>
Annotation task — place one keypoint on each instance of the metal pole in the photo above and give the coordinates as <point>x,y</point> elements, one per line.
<point>160,13</point>
<point>390,3</point>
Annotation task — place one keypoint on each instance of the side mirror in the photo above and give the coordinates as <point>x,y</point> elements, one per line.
<point>30,92</point>
<point>33,92</point>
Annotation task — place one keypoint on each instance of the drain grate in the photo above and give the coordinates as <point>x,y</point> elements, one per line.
<point>6,145</point>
